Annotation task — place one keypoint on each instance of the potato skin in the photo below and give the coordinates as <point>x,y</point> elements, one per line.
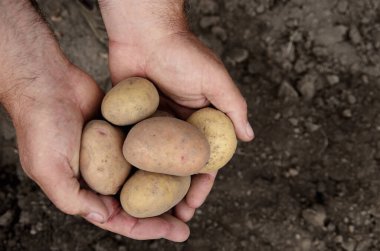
<point>220,133</point>
<point>130,101</point>
<point>148,194</point>
<point>102,164</point>
<point>166,145</point>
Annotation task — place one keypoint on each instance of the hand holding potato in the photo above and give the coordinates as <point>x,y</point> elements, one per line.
<point>160,47</point>
<point>49,100</point>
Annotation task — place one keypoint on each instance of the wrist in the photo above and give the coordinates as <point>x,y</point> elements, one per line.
<point>137,22</point>
<point>32,64</point>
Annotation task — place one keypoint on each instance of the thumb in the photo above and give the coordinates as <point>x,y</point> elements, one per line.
<point>63,189</point>
<point>225,96</point>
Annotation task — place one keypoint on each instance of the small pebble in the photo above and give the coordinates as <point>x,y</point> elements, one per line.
<point>287,92</point>
<point>354,35</point>
<point>338,239</point>
<point>306,86</point>
<point>315,216</point>
<point>311,127</point>
<point>6,219</point>
<point>260,9</point>
<point>351,99</point>
<point>293,121</point>
<point>238,55</point>
<point>333,79</point>
<point>347,113</point>
<point>33,231</point>
<point>39,226</point>
<point>293,172</point>
<point>56,18</point>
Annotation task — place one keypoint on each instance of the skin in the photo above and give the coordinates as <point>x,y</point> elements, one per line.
<point>49,100</point>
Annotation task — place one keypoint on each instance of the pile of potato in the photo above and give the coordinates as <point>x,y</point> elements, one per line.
<point>165,150</point>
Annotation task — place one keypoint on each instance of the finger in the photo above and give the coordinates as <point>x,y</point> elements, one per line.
<point>201,185</point>
<point>183,211</point>
<point>227,98</point>
<point>63,189</point>
<point>165,226</point>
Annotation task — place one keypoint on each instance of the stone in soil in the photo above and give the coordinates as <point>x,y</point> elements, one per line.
<point>287,92</point>
<point>333,79</point>
<point>7,218</point>
<point>306,86</point>
<point>237,55</point>
<point>315,216</point>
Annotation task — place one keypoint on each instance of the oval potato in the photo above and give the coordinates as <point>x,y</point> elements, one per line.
<point>220,133</point>
<point>102,164</point>
<point>148,194</point>
<point>166,145</point>
<point>130,101</point>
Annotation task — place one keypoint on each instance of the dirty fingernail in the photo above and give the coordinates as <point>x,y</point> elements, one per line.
<point>250,130</point>
<point>95,217</point>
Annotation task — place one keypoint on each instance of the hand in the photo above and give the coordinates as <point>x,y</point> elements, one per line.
<point>49,100</point>
<point>143,43</point>
<point>49,136</point>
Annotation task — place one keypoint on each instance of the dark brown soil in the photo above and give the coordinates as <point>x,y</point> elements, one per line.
<point>310,71</point>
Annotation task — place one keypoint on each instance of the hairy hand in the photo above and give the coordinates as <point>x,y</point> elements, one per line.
<point>49,101</point>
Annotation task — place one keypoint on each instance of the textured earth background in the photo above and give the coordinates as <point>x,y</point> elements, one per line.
<point>310,71</point>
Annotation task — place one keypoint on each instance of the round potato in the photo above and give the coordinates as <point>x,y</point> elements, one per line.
<point>148,194</point>
<point>102,164</point>
<point>166,145</point>
<point>130,101</point>
<point>220,134</point>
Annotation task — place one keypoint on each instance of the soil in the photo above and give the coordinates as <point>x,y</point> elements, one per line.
<point>310,71</point>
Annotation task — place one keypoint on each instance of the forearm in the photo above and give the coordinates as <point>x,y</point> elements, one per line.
<point>29,54</point>
<point>135,21</point>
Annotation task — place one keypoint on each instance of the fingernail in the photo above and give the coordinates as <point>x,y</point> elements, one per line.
<point>95,217</point>
<point>249,129</point>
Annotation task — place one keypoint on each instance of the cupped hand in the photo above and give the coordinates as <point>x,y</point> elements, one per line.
<point>185,71</point>
<point>191,76</point>
<point>50,116</point>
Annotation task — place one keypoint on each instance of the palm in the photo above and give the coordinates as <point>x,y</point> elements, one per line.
<point>49,138</point>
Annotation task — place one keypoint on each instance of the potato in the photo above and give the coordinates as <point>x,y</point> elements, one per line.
<point>148,194</point>
<point>166,145</point>
<point>102,164</point>
<point>220,134</point>
<point>130,101</point>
